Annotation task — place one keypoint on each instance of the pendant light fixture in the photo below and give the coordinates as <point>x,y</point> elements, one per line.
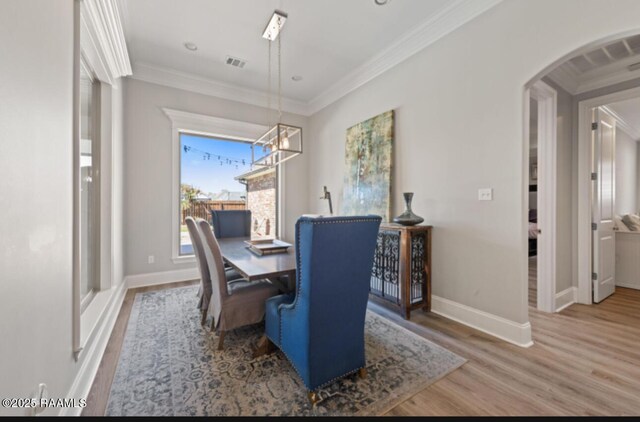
<point>282,141</point>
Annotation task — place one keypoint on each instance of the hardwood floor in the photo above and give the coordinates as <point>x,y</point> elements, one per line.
<point>585,361</point>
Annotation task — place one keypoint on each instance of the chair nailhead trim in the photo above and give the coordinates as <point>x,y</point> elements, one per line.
<point>298,290</point>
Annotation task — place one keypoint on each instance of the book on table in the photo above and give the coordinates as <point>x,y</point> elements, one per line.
<point>267,246</point>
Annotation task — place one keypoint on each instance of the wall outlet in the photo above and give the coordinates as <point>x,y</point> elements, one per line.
<point>151,259</point>
<point>485,194</point>
<point>41,394</point>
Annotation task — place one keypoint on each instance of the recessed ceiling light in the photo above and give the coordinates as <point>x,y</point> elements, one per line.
<point>190,46</point>
<point>380,2</point>
<point>296,78</point>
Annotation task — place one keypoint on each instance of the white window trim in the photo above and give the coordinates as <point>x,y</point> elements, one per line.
<point>99,46</point>
<point>199,124</point>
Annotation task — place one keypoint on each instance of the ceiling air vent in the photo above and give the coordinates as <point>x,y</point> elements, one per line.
<point>235,62</point>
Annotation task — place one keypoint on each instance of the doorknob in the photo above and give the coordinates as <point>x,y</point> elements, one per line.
<point>539,231</point>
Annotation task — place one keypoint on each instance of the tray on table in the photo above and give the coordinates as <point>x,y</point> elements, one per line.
<point>267,246</point>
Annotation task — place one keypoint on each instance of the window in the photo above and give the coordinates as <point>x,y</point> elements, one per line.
<point>89,195</point>
<point>209,180</point>
<point>215,131</point>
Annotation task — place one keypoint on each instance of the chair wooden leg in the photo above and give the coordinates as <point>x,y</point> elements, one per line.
<point>313,398</point>
<point>203,319</point>
<point>362,373</point>
<point>221,340</point>
<point>212,326</point>
<point>264,347</point>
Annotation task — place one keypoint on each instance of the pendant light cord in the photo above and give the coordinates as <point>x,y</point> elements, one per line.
<point>269,88</point>
<point>280,79</point>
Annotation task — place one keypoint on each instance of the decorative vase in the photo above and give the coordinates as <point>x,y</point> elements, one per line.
<point>408,218</point>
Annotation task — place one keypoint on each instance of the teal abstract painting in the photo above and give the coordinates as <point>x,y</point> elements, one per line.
<point>368,160</point>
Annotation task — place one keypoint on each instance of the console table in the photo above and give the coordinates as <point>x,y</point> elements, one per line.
<point>401,277</point>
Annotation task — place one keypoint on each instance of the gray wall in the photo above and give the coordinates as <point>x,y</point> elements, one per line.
<point>459,108</point>
<point>638,181</point>
<point>147,172</point>
<point>626,173</point>
<point>36,110</point>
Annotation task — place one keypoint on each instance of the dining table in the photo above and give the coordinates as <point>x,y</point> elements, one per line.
<point>235,252</point>
<point>279,268</point>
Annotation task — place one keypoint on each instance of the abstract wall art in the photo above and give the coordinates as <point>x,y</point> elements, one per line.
<point>368,160</point>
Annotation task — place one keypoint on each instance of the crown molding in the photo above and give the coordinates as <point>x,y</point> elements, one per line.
<point>623,124</point>
<point>102,39</point>
<point>454,15</point>
<point>189,82</point>
<point>451,17</point>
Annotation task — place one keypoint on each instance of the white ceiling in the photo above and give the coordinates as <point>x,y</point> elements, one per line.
<point>628,115</point>
<point>324,41</point>
<point>602,66</point>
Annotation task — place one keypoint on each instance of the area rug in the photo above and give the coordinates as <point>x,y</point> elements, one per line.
<point>169,366</point>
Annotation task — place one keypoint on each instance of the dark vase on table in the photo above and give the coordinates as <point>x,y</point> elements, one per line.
<point>408,218</point>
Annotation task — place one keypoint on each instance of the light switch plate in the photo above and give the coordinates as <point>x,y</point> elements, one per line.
<point>485,194</point>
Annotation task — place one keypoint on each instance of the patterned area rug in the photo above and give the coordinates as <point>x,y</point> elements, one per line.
<point>169,366</point>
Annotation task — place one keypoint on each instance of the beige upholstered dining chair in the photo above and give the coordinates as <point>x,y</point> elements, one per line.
<point>204,292</point>
<point>233,304</point>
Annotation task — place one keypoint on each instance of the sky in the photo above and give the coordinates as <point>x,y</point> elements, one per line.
<point>206,173</point>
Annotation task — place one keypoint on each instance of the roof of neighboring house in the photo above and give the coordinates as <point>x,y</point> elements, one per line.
<point>255,173</point>
<point>202,197</point>
<point>229,196</point>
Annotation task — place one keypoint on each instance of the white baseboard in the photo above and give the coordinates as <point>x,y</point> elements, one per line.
<point>628,285</point>
<point>566,298</point>
<point>152,279</point>
<point>93,354</point>
<point>502,328</point>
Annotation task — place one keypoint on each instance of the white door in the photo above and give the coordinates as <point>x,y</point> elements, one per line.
<point>604,252</point>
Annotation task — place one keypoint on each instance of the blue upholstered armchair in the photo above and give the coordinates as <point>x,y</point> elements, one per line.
<point>320,328</point>
<point>231,223</point>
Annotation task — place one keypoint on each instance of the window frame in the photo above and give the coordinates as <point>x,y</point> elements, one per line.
<point>96,146</point>
<point>210,127</point>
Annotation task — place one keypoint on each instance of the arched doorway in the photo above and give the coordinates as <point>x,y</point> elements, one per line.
<point>597,80</point>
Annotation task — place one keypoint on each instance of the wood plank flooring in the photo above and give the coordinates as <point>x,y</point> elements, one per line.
<point>585,361</point>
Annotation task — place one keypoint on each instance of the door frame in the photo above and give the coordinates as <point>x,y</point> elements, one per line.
<point>585,157</point>
<point>547,99</point>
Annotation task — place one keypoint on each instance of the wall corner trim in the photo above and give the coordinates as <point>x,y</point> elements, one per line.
<point>502,328</point>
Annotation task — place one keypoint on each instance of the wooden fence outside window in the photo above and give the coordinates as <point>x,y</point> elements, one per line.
<point>201,209</point>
